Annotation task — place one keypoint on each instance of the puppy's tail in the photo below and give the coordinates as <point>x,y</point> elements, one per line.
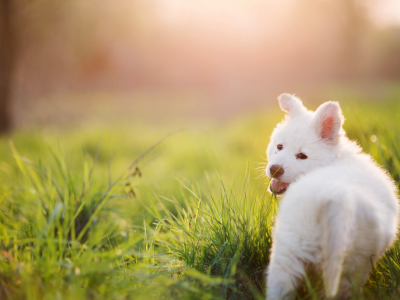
<point>337,227</point>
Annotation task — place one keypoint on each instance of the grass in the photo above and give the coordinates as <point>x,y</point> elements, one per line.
<point>189,220</point>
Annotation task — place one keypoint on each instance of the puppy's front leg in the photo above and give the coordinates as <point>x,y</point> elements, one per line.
<point>283,275</point>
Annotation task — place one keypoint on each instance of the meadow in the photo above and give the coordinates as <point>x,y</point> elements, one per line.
<point>144,210</point>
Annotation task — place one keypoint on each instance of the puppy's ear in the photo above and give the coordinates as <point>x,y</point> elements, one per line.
<point>328,120</point>
<point>291,104</point>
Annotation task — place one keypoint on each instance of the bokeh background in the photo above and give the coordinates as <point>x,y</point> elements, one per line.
<point>73,63</point>
<point>87,86</point>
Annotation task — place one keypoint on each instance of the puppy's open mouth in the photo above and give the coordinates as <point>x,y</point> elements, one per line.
<point>277,187</point>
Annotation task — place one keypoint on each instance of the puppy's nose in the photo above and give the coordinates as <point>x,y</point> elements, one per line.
<point>276,171</point>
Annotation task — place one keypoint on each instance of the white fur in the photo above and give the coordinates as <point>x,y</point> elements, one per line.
<point>340,210</point>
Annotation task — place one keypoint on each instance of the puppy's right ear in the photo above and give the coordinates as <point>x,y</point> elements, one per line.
<point>291,104</point>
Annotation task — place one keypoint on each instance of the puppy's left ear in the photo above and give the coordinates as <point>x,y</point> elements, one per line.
<point>328,120</point>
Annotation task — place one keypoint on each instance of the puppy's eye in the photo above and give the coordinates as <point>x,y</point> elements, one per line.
<point>301,156</point>
<point>280,147</point>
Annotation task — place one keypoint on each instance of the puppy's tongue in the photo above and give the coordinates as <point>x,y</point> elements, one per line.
<point>278,187</point>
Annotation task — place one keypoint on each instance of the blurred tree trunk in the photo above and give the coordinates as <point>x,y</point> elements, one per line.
<point>7,54</point>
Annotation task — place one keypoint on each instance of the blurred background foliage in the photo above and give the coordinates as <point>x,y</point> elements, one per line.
<point>64,63</point>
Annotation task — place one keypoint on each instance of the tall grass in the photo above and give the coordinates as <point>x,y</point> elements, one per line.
<point>64,235</point>
<point>223,234</point>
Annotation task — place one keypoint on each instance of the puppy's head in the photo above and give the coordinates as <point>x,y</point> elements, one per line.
<point>303,141</point>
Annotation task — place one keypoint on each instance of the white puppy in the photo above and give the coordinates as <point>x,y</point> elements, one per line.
<point>339,210</point>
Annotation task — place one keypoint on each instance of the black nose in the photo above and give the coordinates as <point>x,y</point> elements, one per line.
<point>276,171</point>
